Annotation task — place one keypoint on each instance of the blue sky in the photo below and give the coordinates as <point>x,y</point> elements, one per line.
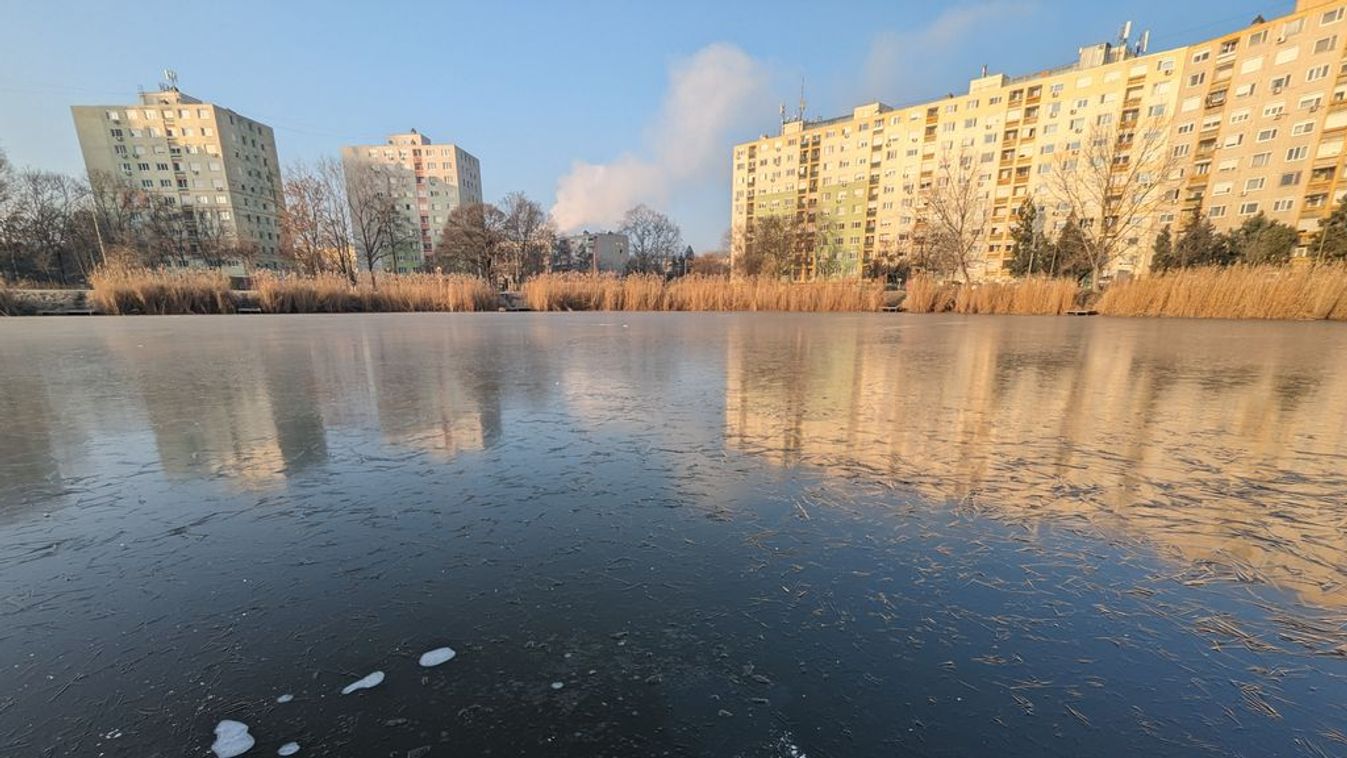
<point>602,104</point>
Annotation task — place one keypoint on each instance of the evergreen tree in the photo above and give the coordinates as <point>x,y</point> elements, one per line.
<point>1162,252</point>
<point>1067,256</point>
<point>1262,241</point>
<point>1029,244</point>
<point>1330,242</point>
<point>1201,245</point>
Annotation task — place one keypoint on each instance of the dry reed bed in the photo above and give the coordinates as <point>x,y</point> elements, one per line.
<point>181,291</point>
<point>1035,296</point>
<point>556,292</point>
<point>161,291</point>
<point>1258,292</point>
<point>9,302</point>
<point>332,293</point>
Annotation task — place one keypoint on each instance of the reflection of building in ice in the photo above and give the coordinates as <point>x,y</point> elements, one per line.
<point>250,416</point>
<point>434,401</point>
<point>1230,458</point>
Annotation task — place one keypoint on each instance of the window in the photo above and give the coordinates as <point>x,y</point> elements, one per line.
<point>1330,17</point>
<point>1326,44</point>
<point>1291,28</point>
<point>1289,179</point>
<point>1254,184</point>
<point>1280,83</point>
<point>1216,211</point>
<point>1181,150</point>
<point>1316,73</point>
<point>1297,153</point>
<point>1239,117</point>
<point>1186,128</point>
<point>1267,135</point>
<point>1304,127</point>
<point>1258,38</point>
<point>1283,205</point>
<point>1201,55</point>
<point>1228,46</point>
<point>1155,111</point>
<point>1273,110</point>
<point>1310,102</point>
<point>1244,90</point>
<point>1248,209</point>
<point>1221,188</point>
<point>1197,79</point>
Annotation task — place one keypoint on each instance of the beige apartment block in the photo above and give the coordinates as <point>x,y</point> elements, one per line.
<point>218,166</point>
<point>1252,121</point>
<point>429,181</point>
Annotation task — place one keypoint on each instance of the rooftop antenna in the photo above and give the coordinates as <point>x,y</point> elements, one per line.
<point>170,79</point>
<point>801,98</point>
<point>783,114</point>
<point>984,70</point>
<point>1126,33</point>
<point>1145,44</point>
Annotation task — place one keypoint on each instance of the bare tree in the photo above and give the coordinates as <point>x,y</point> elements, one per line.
<point>652,238</point>
<point>1113,183</point>
<point>44,238</point>
<point>378,227</point>
<point>528,235</point>
<point>472,241</point>
<point>769,245</point>
<point>212,240</point>
<point>334,216</point>
<point>302,237</point>
<point>956,211</point>
<point>315,225</point>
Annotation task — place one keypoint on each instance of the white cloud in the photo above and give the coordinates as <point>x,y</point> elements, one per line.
<point>712,97</point>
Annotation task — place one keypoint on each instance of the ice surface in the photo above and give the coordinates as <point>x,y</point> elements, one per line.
<point>373,680</point>
<point>231,739</point>
<point>289,748</point>
<point>437,656</point>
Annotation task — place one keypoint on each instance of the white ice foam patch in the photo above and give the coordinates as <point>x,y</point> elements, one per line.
<point>231,739</point>
<point>558,685</point>
<point>289,748</point>
<point>373,680</point>
<point>285,698</point>
<point>437,656</point>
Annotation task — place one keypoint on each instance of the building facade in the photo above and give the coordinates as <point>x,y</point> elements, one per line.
<point>428,181</point>
<point>603,252</point>
<point>1252,121</point>
<point>218,167</point>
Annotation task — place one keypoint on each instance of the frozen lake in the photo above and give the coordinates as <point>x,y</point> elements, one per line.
<point>672,534</point>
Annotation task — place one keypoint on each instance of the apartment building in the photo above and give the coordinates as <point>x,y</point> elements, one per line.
<point>1251,121</point>
<point>605,252</point>
<point>428,181</point>
<point>216,165</point>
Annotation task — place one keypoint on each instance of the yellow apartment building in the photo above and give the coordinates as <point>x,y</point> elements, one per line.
<point>1251,121</point>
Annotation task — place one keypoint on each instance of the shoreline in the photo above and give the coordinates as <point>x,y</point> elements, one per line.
<point>32,303</point>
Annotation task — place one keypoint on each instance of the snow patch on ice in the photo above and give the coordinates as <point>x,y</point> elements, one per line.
<point>289,748</point>
<point>232,739</point>
<point>373,680</point>
<point>285,698</point>
<point>558,685</point>
<point>437,656</point>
